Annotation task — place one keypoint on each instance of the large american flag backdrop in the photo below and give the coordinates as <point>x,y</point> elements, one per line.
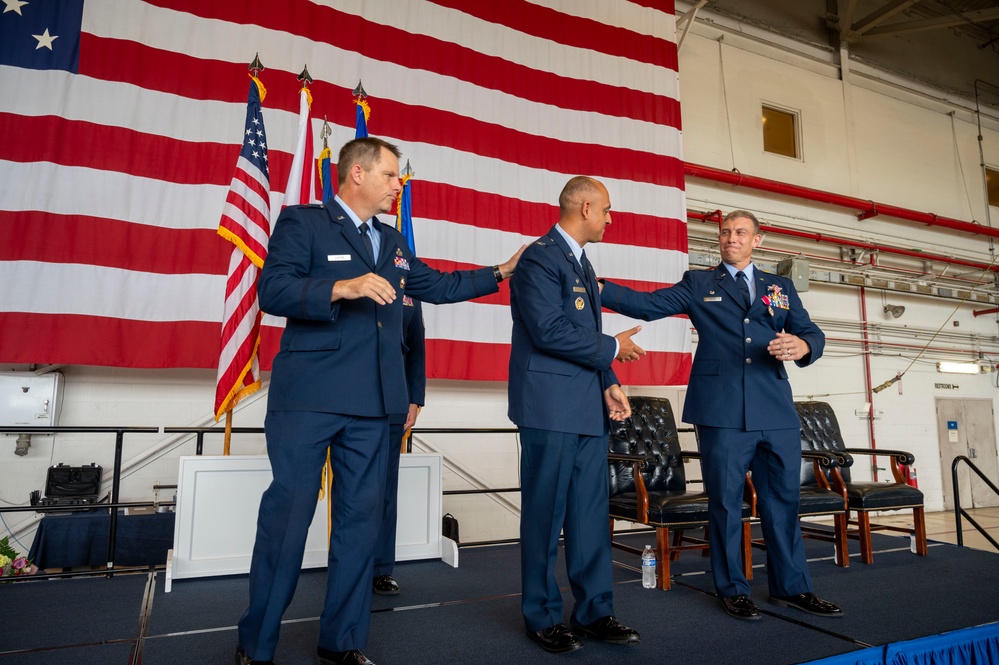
<point>120,122</point>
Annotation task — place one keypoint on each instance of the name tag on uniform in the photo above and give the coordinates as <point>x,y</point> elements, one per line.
<point>712,298</point>
<point>579,289</point>
<point>338,257</point>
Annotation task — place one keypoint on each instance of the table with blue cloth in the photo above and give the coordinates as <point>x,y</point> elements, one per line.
<point>81,539</point>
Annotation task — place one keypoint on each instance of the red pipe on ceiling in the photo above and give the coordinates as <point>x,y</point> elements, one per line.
<point>818,237</point>
<point>867,208</point>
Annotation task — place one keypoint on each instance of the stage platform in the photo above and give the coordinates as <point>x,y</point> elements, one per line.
<point>472,614</point>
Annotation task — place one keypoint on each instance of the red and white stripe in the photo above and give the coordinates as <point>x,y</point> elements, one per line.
<point>301,186</point>
<point>115,178</point>
<point>239,364</point>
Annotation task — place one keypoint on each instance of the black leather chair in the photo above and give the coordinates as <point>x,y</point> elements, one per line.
<point>819,498</point>
<point>648,485</point>
<point>820,431</point>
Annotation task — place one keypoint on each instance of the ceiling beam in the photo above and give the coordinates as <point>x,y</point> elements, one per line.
<point>846,18</point>
<point>979,16</point>
<point>686,21</point>
<point>877,17</point>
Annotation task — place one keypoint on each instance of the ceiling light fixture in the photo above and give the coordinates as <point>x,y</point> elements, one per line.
<point>963,368</point>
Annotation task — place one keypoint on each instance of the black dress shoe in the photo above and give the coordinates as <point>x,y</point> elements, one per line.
<point>741,607</point>
<point>556,639</point>
<point>385,586</point>
<point>352,657</point>
<point>808,602</point>
<point>242,658</point>
<point>609,630</point>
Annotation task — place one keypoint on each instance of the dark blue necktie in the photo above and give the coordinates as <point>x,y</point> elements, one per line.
<point>587,268</point>
<point>366,239</point>
<point>740,280</point>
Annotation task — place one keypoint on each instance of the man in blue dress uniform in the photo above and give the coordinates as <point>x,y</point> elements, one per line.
<point>338,275</point>
<point>562,392</point>
<point>749,323</point>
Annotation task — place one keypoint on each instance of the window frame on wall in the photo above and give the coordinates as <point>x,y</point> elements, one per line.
<point>992,185</point>
<point>777,145</point>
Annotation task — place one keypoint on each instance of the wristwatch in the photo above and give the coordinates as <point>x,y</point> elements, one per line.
<point>498,274</point>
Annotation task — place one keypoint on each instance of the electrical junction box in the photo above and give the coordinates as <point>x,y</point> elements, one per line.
<point>796,270</point>
<point>31,400</point>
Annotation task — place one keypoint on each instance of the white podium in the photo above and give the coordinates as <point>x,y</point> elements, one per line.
<point>218,498</point>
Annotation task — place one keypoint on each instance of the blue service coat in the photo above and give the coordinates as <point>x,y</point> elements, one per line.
<point>560,360</point>
<point>734,381</point>
<point>345,358</point>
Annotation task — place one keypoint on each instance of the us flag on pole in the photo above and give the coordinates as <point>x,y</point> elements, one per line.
<point>246,223</point>
<point>117,142</point>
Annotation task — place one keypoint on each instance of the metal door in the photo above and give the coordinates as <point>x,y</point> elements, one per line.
<point>967,427</point>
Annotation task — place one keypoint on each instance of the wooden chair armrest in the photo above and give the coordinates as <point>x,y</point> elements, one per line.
<point>641,495</point>
<point>638,462</point>
<point>625,457</point>
<point>825,459</point>
<point>749,495</point>
<point>838,484</point>
<point>821,459</point>
<point>896,458</point>
<point>904,457</point>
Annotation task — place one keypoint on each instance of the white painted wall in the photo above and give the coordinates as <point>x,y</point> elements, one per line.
<point>867,139</point>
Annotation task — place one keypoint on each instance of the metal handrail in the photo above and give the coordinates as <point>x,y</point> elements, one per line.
<point>959,512</point>
<point>119,433</point>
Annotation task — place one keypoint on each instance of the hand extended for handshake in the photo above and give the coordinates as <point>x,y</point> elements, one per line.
<point>376,287</point>
<point>628,351</point>
<point>618,406</point>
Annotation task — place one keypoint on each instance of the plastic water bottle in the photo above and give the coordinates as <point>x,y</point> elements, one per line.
<point>649,568</point>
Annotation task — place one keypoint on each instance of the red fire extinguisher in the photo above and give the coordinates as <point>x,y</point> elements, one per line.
<point>911,477</point>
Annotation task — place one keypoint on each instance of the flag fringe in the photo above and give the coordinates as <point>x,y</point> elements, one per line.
<point>239,391</point>
<point>260,87</point>
<point>236,240</point>
<point>363,103</point>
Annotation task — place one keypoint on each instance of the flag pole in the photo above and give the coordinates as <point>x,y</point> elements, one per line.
<point>228,432</point>
<point>255,67</point>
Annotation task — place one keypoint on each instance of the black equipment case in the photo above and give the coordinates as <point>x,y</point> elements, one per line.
<point>70,486</point>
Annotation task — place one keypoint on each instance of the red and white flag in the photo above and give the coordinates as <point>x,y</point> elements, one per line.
<point>302,176</point>
<point>116,148</point>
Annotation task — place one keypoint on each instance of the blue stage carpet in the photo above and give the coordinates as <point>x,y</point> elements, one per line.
<point>472,614</point>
